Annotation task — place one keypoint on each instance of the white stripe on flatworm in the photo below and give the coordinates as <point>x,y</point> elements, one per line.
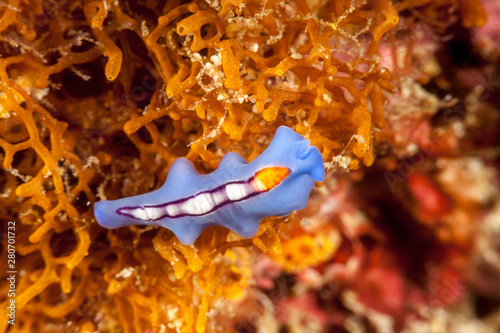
<point>204,202</point>
<point>219,197</point>
<point>155,213</point>
<point>172,210</point>
<point>200,204</point>
<point>237,192</point>
<point>139,213</point>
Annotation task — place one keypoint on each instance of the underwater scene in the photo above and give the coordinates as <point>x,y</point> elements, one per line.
<point>270,166</point>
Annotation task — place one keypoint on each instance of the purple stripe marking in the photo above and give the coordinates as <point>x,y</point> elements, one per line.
<point>165,214</point>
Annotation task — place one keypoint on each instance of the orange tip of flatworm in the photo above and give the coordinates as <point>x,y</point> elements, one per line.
<point>270,177</point>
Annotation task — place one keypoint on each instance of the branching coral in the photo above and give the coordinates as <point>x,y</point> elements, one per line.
<point>98,98</point>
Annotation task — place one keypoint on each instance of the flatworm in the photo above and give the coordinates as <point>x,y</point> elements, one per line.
<point>238,195</point>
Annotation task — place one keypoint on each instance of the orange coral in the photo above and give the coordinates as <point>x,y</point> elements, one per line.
<point>98,98</point>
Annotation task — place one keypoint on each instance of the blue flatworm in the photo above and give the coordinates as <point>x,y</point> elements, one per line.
<point>238,195</point>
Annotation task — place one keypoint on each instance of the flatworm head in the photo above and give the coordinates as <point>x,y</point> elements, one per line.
<point>238,195</point>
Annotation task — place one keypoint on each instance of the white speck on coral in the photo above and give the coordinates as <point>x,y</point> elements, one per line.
<point>125,273</point>
<point>144,29</point>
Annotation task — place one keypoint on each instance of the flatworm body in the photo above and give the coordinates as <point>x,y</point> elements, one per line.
<point>238,195</point>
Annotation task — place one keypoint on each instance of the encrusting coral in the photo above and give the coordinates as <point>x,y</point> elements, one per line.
<point>98,98</point>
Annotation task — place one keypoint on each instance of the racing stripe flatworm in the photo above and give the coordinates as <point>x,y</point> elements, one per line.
<point>238,195</point>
